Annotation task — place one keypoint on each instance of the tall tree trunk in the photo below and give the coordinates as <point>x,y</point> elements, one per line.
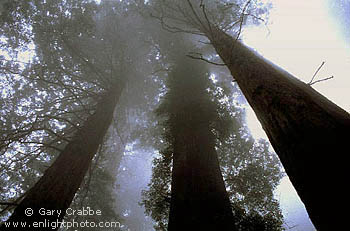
<point>199,200</point>
<point>56,188</point>
<point>308,132</point>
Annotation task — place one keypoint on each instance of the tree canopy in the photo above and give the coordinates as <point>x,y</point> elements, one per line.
<point>251,172</point>
<point>99,77</point>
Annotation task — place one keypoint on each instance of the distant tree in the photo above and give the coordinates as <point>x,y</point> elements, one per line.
<point>190,106</point>
<point>97,190</point>
<point>302,125</point>
<point>198,195</point>
<point>47,101</point>
<point>57,187</point>
<point>80,65</point>
<point>252,173</point>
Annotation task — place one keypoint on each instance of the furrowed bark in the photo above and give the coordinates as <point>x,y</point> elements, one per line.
<point>55,190</point>
<point>308,132</point>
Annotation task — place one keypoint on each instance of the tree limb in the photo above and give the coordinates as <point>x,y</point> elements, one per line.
<point>318,69</point>
<point>204,59</point>
<point>321,80</point>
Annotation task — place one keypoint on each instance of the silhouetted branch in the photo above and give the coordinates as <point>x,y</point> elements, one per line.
<point>318,69</point>
<point>321,80</point>
<point>204,59</point>
<point>8,203</point>
<point>242,19</point>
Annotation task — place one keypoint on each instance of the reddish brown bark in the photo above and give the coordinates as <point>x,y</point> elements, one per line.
<point>199,200</point>
<point>56,188</point>
<point>308,132</point>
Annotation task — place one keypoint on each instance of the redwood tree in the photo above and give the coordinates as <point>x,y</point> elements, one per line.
<point>199,200</point>
<point>80,63</point>
<point>56,189</point>
<point>307,131</point>
<point>250,172</point>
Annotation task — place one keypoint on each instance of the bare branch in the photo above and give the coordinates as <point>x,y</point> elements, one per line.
<point>174,29</point>
<point>206,16</point>
<point>318,69</point>
<point>321,80</point>
<point>8,203</point>
<point>242,19</point>
<point>196,15</point>
<point>12,204</point>
<point>58,118</point>
<point>204,59</point>
<point>77,52</point>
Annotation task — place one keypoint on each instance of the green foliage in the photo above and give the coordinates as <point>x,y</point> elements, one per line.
<point>75,56</point>
<point>97,191</point>
<point>156,199</point>
<point>15,17</point>
<point>42,105</point>
<point>250,170</point>
<point>77,50</point>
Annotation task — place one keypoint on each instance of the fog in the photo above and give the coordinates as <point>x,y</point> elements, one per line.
<point>60,60</point>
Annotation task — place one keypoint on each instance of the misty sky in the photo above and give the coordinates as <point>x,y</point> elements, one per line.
<point>302,35</point>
